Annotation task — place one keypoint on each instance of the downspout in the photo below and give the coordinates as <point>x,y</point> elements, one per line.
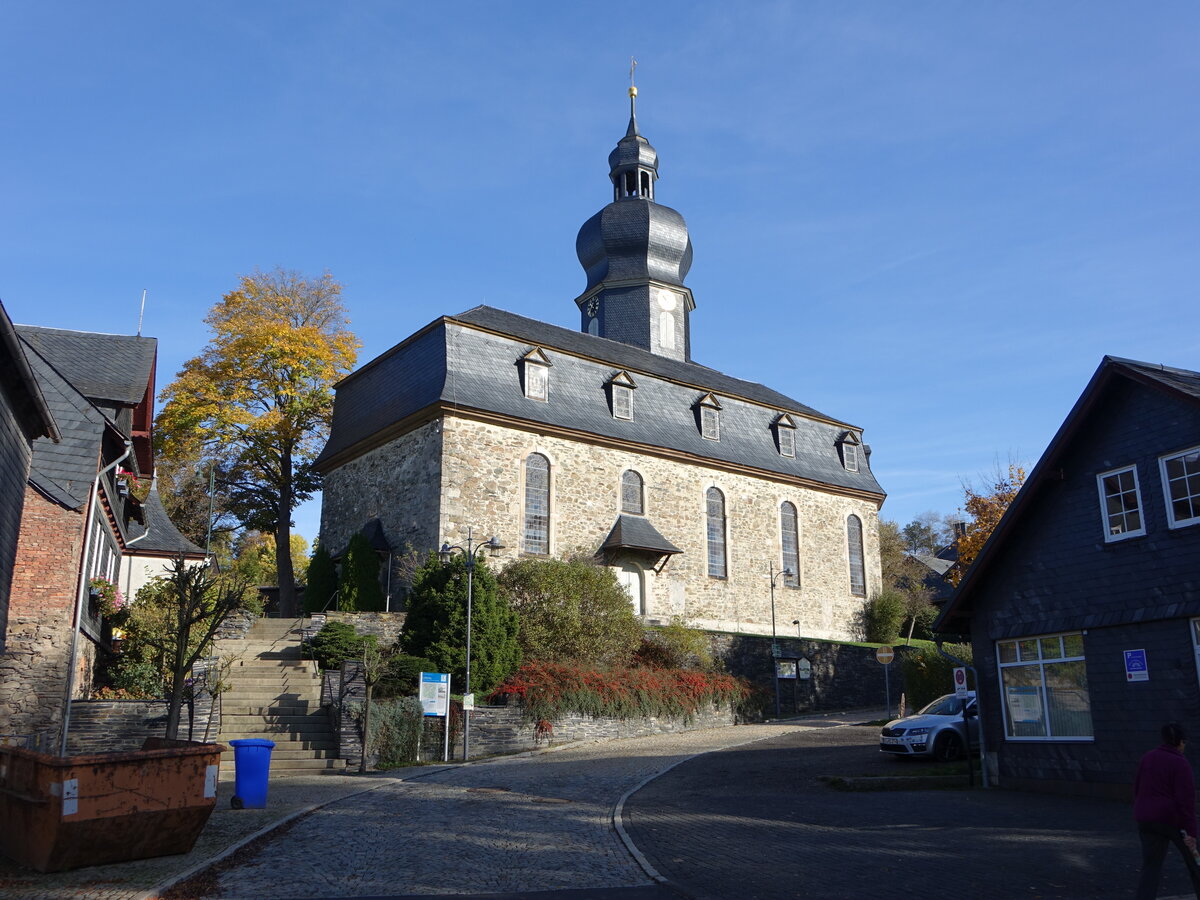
<point>141,537</point>
<point>983,768</point>
<point>82,592</point>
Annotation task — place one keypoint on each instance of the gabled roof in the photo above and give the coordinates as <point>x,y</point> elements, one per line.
<point>162,538</point>
<point>107,367</point>
<point>1182,383</point>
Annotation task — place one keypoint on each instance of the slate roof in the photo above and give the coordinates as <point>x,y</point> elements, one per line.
<point>636,533</point>
<point>64,470</point>
<point>163,538</point>
<point>470,361</point>
<point>21,385</point>
<point>112,367</point>
<point>1182,382</point>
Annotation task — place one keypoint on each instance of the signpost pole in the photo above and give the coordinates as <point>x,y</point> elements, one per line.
<point>446,745</point>
<point>884,656</point>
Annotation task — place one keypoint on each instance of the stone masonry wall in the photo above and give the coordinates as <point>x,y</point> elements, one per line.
<point>385,626</point>
<point>34,663</point>
<point>585,502</point>
<point>397,484</point>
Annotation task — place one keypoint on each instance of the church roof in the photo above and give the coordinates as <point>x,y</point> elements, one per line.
<point>469,362</point>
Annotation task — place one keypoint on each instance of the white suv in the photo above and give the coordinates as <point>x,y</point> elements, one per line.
<point>938,730</point>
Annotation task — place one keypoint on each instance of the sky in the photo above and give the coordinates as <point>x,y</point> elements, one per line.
<point>930,220</point>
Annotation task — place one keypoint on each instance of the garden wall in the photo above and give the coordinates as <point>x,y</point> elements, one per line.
<point>844,676</point>
<point>386,626</point>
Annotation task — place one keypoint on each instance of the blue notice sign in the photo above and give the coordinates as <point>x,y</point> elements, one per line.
<point>435,693</point>
<point>1135,666</point>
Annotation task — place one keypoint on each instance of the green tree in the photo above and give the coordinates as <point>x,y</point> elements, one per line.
<point>173,620</point>
<point>256,403</point>
<point>358,587</point>
<point>905,576</point>
<point>571,610</point>
<point>436,624</point>
<point>882,617</point>
<point>321,580</point>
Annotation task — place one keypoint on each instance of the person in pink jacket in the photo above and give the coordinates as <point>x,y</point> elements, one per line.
<point>1164,805</point>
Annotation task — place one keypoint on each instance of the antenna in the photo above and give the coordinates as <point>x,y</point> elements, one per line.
<point>142,313</point>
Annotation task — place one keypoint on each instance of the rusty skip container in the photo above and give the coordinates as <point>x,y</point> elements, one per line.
<point>63,812</point>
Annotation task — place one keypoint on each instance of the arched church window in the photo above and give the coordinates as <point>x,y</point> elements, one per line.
<point>715,502</point>
<point>789,533</point>
<point>858,574</point>
<point>632,493</point>
<point>536,534</point>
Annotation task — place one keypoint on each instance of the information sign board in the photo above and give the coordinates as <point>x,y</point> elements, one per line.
<point>469,701</point>
<point>435,693</point>
<point>785,668</point>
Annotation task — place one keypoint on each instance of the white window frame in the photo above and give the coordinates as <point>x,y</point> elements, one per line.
<point>710,423</point>
<point>537,381</point>
<point>850,456</point>
<point>1041,661</point>
<point>622,401</point>
<point>1173,522</point>
<point>1106,518</point>
<point>787,441</point>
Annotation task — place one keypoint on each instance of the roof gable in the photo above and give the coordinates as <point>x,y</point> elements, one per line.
<point>105,367</point>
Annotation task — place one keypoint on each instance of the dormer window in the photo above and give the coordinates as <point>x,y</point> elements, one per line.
<point>849,447</point>
<point>535,373</point>
<point>709,411</point>
<point>785,435</point>
<point>620,395</point>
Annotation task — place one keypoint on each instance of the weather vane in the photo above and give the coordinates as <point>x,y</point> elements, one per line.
<point>632,87</point>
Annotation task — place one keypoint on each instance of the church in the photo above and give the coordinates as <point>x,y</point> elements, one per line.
<point>714,499</point>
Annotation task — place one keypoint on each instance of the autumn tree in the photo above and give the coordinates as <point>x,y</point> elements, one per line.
<point>256,403</point>
<point>984,507</point>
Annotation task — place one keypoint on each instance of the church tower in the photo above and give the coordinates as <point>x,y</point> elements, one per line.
<point>636,253</point>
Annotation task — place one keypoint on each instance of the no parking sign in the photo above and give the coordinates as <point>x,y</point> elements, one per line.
<point>960,682</point>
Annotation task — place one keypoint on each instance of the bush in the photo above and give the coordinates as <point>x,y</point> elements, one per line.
<point>321,580</point>
<point>436,624</point>
<point>928,674</point>
<point>359,588</point>
<point>549,690</point>
<point>335,643</point>
<point>571,611</point>
<point>675,646</point>
<point>395,732</point>
<point>882,617</point>
<point>401,676</point>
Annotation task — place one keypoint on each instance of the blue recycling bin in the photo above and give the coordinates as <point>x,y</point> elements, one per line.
<point>252,765</point>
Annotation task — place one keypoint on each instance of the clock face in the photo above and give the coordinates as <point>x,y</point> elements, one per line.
<point>593,307</point>
<point>667,300</point>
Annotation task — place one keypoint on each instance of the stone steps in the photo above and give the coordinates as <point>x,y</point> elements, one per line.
<point>276,695</point>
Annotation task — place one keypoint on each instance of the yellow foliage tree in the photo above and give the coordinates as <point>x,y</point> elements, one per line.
<point>257,402</point>
<point>985,507</point>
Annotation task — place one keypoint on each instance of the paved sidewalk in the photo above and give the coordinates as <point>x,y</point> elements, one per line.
<point>430,798</point>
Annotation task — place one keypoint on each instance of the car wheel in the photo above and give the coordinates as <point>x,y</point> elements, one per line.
<point>948,747</point>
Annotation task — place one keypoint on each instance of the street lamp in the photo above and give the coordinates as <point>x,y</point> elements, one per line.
<point>775,576</point>
<point>492,544</point>
<point>796,622</point>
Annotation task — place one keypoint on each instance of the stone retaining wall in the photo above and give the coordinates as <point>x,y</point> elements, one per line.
<point>386,626</point>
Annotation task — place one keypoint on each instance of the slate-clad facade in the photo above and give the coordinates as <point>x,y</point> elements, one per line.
<point>1080,571</point>
<point>610,441</point>
<point>79,520</point>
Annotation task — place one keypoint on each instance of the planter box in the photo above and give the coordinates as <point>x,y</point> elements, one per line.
<point>61,813</point>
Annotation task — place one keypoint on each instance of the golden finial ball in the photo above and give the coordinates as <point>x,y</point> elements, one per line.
<point>632,90</point>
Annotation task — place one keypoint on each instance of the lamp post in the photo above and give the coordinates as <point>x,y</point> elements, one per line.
<point>775,576</point>
<point>492,544</point>
<point>796,622</point>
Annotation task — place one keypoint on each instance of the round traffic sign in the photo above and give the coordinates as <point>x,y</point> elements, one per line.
<point>885,655</point>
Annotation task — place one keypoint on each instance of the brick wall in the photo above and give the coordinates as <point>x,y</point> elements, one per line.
<point>33,665</point>
<point>14,471</point>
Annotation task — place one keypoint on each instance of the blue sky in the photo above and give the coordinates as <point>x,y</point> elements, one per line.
<point>928,219</point>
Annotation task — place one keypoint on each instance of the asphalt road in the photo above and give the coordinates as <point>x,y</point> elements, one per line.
<point>756,822</point>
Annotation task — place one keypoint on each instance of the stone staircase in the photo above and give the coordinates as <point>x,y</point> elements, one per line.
<point>275,694</point>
